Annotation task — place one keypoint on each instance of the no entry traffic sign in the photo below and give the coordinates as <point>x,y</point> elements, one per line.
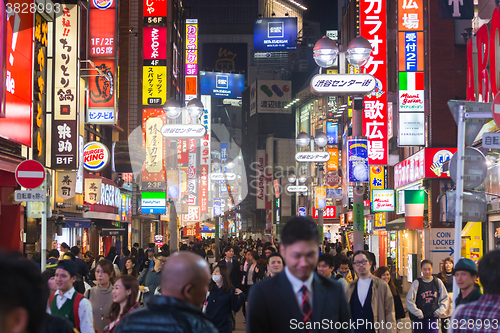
<point>30,174</point>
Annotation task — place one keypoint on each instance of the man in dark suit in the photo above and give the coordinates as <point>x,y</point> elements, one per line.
<point>283,303</point>
<point>233,266</point>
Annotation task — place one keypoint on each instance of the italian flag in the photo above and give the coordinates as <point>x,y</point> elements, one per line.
<point>411,81</point>
<point>414,209</point>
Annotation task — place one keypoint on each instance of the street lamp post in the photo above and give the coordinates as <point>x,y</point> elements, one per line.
<point>358,52</point>
<point>173,110</point>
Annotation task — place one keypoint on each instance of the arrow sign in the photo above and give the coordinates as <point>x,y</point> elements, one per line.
<point>30,174</point>
<point>451,250</point>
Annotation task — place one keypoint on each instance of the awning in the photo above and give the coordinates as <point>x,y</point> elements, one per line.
<point>76,222</point>
<point>397,224</point>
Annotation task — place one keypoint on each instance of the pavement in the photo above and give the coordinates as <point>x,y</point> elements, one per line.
<point>240,325</point>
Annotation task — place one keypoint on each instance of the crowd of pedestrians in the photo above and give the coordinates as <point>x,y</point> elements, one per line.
<point>280,287</point>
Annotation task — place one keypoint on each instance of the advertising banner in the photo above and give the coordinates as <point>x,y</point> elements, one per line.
<point>377,178</point>
<point>16,71</point>
<point>153,203</point>
<point>261,179</point>
<point>64,144</point>
<point>191,59</point>
<point>205,154</point>
<point>154,43</point>
<point>193,214</point>
<point>225,57</point>
<point>373,26</point>
<point>153,171</point>
<point>410,15</point>
<point>273,96</point>
<point>65,182</point>
<point>383,201</point>
<point>275,34</point>
<point>328,213</point>
<point>320,197</point>
<point>411,91</point>
<point>102,92</point>
<point>332,132</point>
<point>93,190</point>
<point>102,29</point>
<point>357,160</point>
<point>154,85</point>
<point>222,85</point>
<point>173,183</point>
<point>155,8</point>
<point>411,129</point>
<point>434,160</point>
<point>333,162</point>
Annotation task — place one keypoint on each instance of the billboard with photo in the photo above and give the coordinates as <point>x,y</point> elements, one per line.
<point>275,34</point>
<point>222,85</point>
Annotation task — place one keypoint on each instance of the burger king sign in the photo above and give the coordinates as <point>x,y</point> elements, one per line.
<point>95,156</point>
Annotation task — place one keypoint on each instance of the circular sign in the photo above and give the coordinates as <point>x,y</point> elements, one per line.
<point>30,174</point>
<point>103,4</point>
<point>332,179</point>
<point>95,156</point>
<point>496,109</point>
<point>475,168</point>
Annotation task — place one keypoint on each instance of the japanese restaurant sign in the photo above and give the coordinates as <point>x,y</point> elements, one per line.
<point>191,58</point>
<point>40,88</point>
<point>383,201</point>
<point>373,26</point>
<point>153,170</point>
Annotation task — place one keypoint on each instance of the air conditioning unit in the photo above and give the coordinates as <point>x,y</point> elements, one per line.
<point>495,206</point>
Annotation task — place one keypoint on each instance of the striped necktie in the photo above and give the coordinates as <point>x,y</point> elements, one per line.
<point>306,306</point>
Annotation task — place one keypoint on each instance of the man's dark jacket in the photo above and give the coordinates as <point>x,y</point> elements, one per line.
<point>235,274</point>
<point>272,306</point>
<point>166,314</point>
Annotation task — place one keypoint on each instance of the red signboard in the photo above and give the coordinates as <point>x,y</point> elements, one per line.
<point>30,174</point>
<point>434,159</point>
<point>328,212</point>
<point>102,32</point>
<point>192,230</point>
<point>155,8</point>
<point>155,43</point>
<point>102,88</point>
<point>3,33</point>
<point>373,26</point>
<point>15,123</point>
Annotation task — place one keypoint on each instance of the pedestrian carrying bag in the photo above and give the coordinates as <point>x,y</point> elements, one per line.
<point>117,269</point>
<point>76,306</point>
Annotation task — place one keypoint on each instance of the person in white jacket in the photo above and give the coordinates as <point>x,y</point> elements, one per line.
<point>427,299</point>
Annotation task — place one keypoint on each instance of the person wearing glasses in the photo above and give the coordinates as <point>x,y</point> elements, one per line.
<point>370,298</point>
<point>151,278</point>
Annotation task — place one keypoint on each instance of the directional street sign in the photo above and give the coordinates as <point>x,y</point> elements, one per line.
<point>312,156</point>
<point>491,140</point>
<point>30,196</point>
<point>30,174</point>
<point>293,188</point>
<point>343,84</point>
<point>182,131</point>
<point>220,176</point>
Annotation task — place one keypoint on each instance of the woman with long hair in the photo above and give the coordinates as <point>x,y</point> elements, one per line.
<point>100,295</point>
<point>223,298</point>
<point>130,268</point>
<point>125,292</point>
<point>384,273</point>
<point>446,275</point>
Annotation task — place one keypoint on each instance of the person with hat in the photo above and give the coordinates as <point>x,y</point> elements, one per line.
<point>66,302</point>
<point>465,273</point>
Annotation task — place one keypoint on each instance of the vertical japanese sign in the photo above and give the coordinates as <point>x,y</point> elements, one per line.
<point>373,26</point>
<point>191,58</point>
<point>153,171</point>
<point>102,51</point>
<point>411,72</point>
<point>66,85</point>
<point>154,70</point>
<point>205,158</point>
<point>333,162</point>
<point>16,63</point>
<point>261,179</point>
<point>39,85</point>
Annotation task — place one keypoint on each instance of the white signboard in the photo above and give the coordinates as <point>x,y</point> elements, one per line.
<point>343,84</point>
<point>312,156</point>
<point>442,246</point>
<point>220,176</point>
<point>272,96</point>
<point>182,131</point>
<point>411,129</point>
<point>411,101</point>
<point>491,140</point>
<point>383,201</point>
<point>66,181</point>
<point>293,188</point>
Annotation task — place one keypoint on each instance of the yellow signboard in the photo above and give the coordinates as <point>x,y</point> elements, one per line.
<point>377,178</point>
<point>320,197</point>
<point>379,220</point>
<point>154,85</point>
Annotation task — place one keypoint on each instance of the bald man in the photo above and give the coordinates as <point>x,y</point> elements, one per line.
<point>184,286</point>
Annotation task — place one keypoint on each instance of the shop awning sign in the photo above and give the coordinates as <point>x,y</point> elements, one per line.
<point>343,84</point>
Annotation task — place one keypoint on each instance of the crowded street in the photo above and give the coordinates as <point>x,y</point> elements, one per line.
<point>258,166</point>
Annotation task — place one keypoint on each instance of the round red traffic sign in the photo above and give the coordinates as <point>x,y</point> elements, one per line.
<point>30,174</point>
<point>496,109</point>
<point>332,179</point>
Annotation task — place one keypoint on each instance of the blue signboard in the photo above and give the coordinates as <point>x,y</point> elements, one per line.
<point>411,51</point>
<point>223,151</point>
<point>357,160</point>
<point>332,132</point>
<point>222,85</point>
<point>275,34</point>
<point>302,210</point>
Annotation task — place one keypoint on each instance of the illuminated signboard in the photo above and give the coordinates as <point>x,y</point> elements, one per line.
<point>102,30</point>
<point>16,63</point>
<point>222,85</point>
<point>332,132</point>
<point>155,8</point>
<point>411,51</point>
<point>411,129</point>
<point>205,158</point>
<point>153,203</point>
<point>383,201</point>
<point>102,90</point>
<point>373,26</point>
<point>155,43</point>
<point>40,88</point>
<point>410,15</point>
<point>153,170</point>
<point>275,34</point>
<point>333,162</point>
<point>191,59</point>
